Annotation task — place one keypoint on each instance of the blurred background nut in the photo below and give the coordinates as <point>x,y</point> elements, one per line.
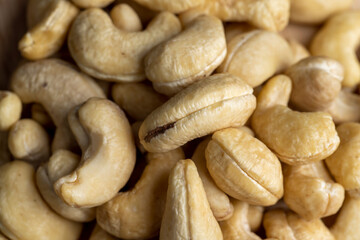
<point>174,6</point>
<point>137,99</point>
<point>10,109</point>
<point>122,52</point>
<point>23,213</point>
<point>29,141</point>
<point>255,215</point>
<point>187,212</point>
<point>300,33</point>
<point>310,191</point>
<point>219,202</point>
<point>243,167</point>
<point>39,114</point>
<point>298,51</point>
<point>99,234</point>
<point>48,34</point>
<point>283,225</point>
<point>144,13</point>
<point>191,55</point>
<point>339,39</point>
<point>61,163</point>
<point>216,102</point>
<point>256,55</point>
<point>58,87</point>
<point>344,163</point>
<point>137,214</point>
<point>295,137</point>
<point>237,227</point>
<point>124,17</point>
<point>92,3</point>
<point>104,135</point>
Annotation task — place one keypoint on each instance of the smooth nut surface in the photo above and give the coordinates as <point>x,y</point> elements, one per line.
<point>92,3</point>
<point>124,17</point>
<point>99,234</point>
<point>175,6</point>
<point>216,102</point>
<point>10,109</point>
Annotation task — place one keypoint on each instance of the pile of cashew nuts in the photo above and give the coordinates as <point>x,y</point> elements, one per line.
<point>183,120</point>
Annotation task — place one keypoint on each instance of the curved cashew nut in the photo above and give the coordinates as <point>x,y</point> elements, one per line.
<point>92,3</point>
<point>316,11</point>
<point>339,39</point>
<point>61,163</point>
<point>287,225</point>
<point>243,167</point>
<point>124,17</point>
<point>269,15</point>
<point>187,212</point>
<point>344,163</point>
<point>104,135</point>
<point>99,234</point>
<point>58,87</point>
<point>216,102</point>
<point>47,36</point>
<point>256,55</point>
<point>174,6</point>
<point>219,202</point>
<point>203,47</point>
<point>137,214</point>
<point>23,213</point>
<point>310,191</point>
<point>238,227</point>
<point>10,109</point>
<point>29,141</point>
<point>300,137</point>
<point>94,31</point>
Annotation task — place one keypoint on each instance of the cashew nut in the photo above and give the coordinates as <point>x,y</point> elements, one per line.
<point>219,202</point>
<point>10,109</point>
<point>256,55</point>
<point>295,137</point>
<point>299,52</point>
<point>214,103</point>
<point>124,17</point>
<point>203,48</point>
<point>234,29</point>
<point>92,3</point>
<point>23,213</point>
<point>174,6</point>
<point>143,12</point>
<point>243,167</point>
<point>58,87</point>
<point>99,234</point>
<point>238,227</point>
<point>135,130</point>
<point>61,163</point>
<point>29,141</point>
<point>255,215</point>
<point>137,214</point>
<point>310,191</point>
<point>104,135</point>
<point>39,114</point>
<point>48,35</point>
<point>187,212</point>
<point>339,39</point>
<point>122,52</point>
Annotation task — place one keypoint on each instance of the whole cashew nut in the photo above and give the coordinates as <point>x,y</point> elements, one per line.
<point>137,214</point>
<point>122,52</point>
<point>104,135</point>
<point>58,87</point>
<point>10,109</point>
<point>23,213</point>
<point>301,137</point>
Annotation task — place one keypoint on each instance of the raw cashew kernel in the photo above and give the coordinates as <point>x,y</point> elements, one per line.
<point>10,109</point>
<point>99,234</point>
<point>122,52</point>
<point>48,35</point>
<point>243,167</point>
<point>301,137</point>
<point>298,50</point>
<point>219,202</point>
<point>137,214</point>
<point>256,55</point>
<point>104,135</point>
<point>92,3</point>
<point>310,191</point>
<point>174,6</point>
<point>58,87</point>
<point>339,39</point>
<point>255,215</point>
<point>187,212</point>
<point>214,103</point>
<point>29,141</point>
<point>203,48</point>
<point>124,17</point>
<point>23,213</point>
<point>61,163</point>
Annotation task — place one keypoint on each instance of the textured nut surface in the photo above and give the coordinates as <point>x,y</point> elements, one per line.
<point>219,202</point>
<point>187,212</point>
<point>10,109</point>
<point>256,55</point>
<point>137,214</point>
<point>203,48</point>
<point>104,135</point>
<point>22,208</point>
<point>243,167</point>
<point>122,52</point>
<point>216,102</point>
